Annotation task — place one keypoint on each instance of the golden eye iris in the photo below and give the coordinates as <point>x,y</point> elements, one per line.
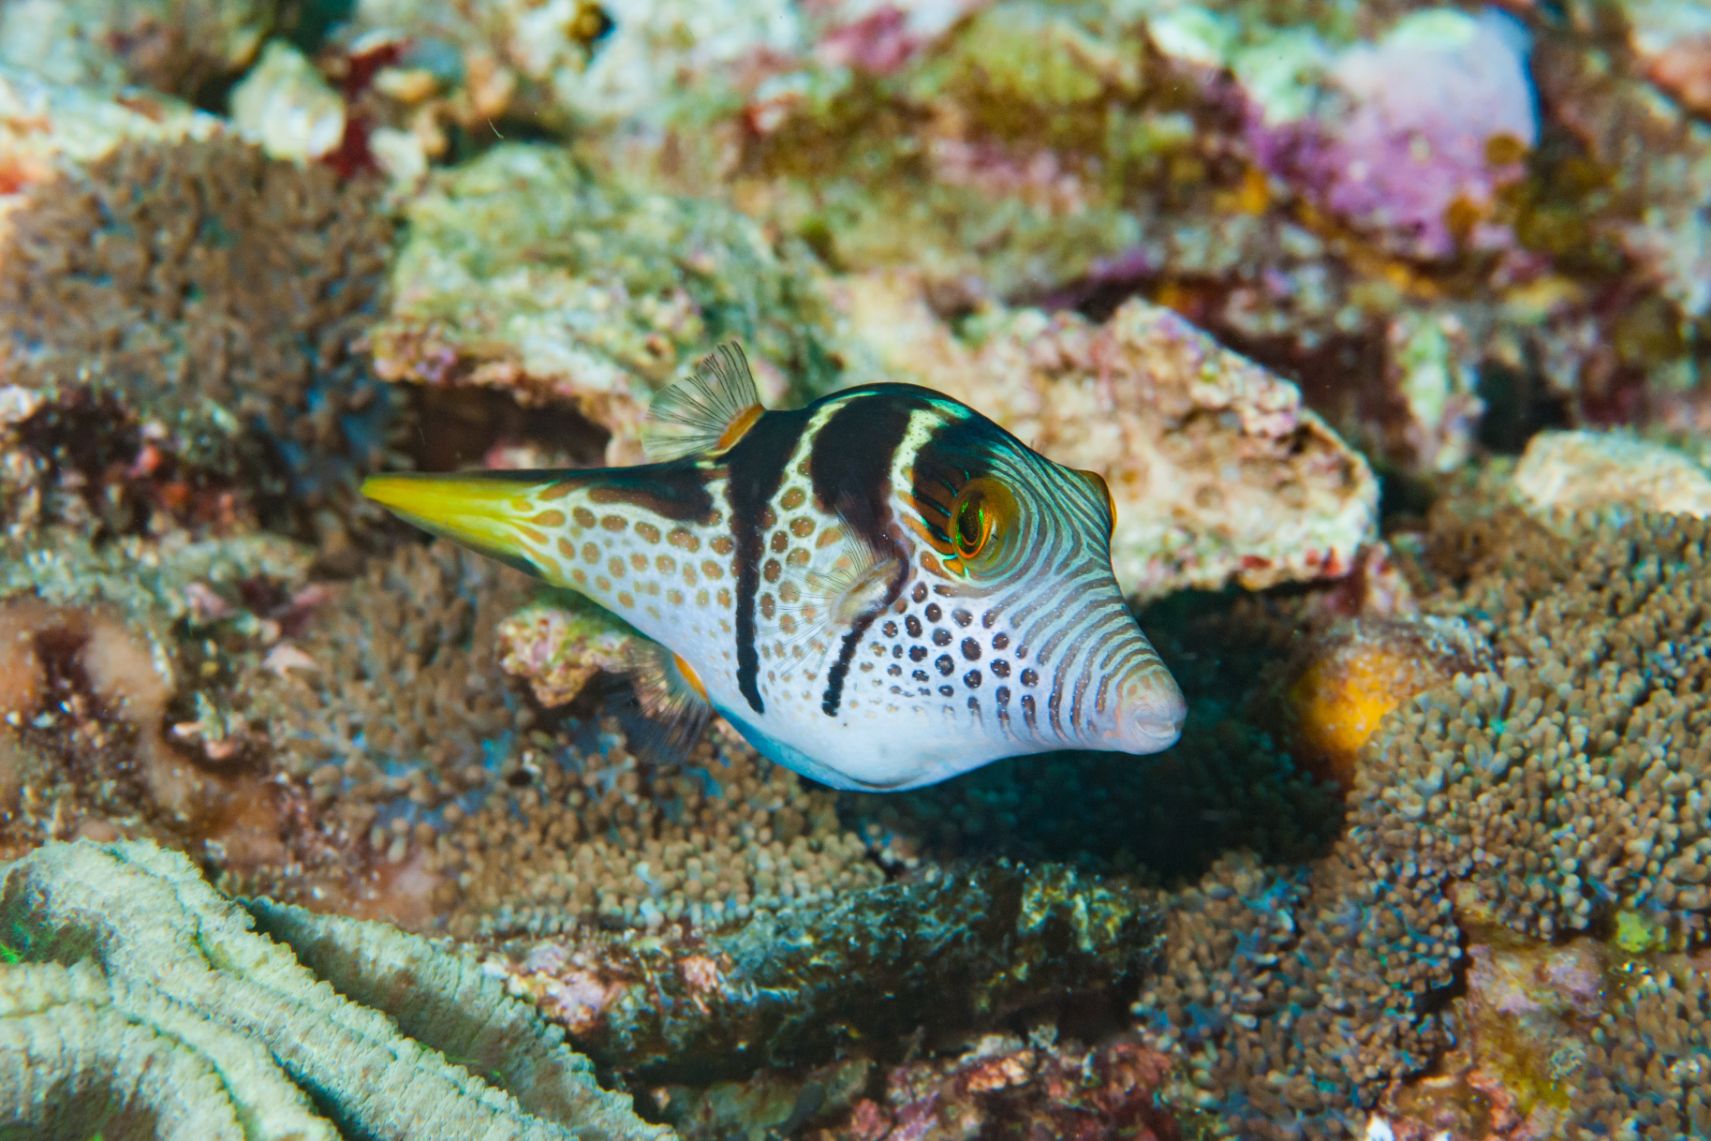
<point>972,525</point>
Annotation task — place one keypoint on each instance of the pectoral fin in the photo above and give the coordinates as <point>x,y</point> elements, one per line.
<point>856,580</point>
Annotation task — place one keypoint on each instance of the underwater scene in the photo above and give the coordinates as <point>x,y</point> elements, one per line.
<point>891,570</point>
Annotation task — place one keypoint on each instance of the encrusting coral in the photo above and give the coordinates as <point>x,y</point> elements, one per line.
<point>136,1000</point>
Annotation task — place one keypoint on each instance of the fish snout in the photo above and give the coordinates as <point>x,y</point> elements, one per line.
<point>1150,711</point>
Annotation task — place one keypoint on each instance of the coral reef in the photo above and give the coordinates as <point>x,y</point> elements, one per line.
<point>137,999</point>
<point>182,47</point>
<point>99,734</point>
<point>390,709</point>
<point>1568,773</point>
<point>1445,263</point>
<point>1643,1062</point>
<point>1429,859</point>
<point>1218,472</point>
<point>1347,680</point>
<point>1007,1089</point>
<point>560,646</point>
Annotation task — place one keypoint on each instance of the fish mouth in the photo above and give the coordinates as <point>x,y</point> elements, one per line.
<point>1151,710</point>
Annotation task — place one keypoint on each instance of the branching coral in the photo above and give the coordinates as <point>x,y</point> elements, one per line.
<point>190,309</point>
<point>136,998</point>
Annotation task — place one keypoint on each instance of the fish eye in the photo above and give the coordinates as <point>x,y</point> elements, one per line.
<point>972,525</point>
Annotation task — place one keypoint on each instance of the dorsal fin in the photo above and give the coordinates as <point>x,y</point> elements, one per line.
<point>706,411</point>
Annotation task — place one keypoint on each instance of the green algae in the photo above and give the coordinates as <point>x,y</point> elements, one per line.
<point>1640,934</point>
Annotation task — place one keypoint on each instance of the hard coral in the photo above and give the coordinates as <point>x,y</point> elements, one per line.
<point>179,46</point>
<point>203,300</point>
<point>105,728</point>
<point>1563,783</point>
<point>1298,994</point>
<point>391,709</point>
<point>942,954</point>
<point>135,999</point>
<point>1644,1071</point>
<point>1006,1090</point>
<point>587,834</point>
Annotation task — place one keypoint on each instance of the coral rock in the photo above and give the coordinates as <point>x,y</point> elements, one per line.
<point>1003,1090</point>
<point>135,996</point>
<point>1583,471</point>
<point>286,107</point>
<point>521,273</point>
<point>559,647</point>
<point>1218,471</point>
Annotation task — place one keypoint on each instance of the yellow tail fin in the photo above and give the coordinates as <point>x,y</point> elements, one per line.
<point>493,513</point>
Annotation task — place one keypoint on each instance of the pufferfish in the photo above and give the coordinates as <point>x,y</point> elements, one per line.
<point>880,590</point>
